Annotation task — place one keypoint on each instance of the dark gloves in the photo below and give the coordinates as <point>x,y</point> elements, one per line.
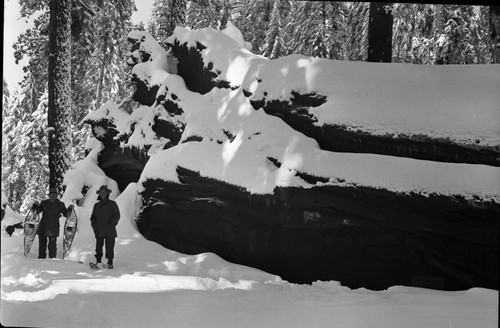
<point>70,209</point>
<point>10,229</point>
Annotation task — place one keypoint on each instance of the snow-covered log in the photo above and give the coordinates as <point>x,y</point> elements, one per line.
<point>388,171</point>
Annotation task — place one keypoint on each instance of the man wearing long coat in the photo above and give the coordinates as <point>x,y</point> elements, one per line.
<point>104,219</point>
<point>53,209</point>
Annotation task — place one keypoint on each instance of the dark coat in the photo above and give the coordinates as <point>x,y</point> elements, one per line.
<point>52,212</point>
<point>104,218</point>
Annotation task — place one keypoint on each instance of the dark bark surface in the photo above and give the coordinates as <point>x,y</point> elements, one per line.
<point>360,236</point>
<point>59,90</point>
<point>380,33</point>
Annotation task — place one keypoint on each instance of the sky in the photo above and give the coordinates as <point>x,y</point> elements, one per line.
<point>14,25</point>
<point>152,286</point>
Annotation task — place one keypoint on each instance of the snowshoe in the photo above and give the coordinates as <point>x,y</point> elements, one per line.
<point>96,266</point>
<point>30,228</point>
<point>70,227</point>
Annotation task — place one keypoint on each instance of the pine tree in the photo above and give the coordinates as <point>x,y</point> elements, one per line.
<point>24,150</point>
<point>166,15</point>
<point>13,184</point>
<point>32,149</point>
<point>412,32</point>
<point>440,34</point>
<point>33,44</point>
<point>201,14</point>
<point>112,24</point>
<point>494,20</point>
<point>338,14</point>
<point>160,16</point>
<point>252,18</point>
<point>483,43</point>
<point>291,26</point>
<point>178,15</point>
<point>357,23</point>
<point>87,30</point>
<point>274,45</point>
<point>321,33</point>
<point>5,95</point>
<point>7,120</point>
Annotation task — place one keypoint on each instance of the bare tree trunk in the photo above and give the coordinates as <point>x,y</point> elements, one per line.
<point>380,33</point>
<point>59,83</point>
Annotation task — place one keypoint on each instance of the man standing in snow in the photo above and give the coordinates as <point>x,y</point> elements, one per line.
<point>104,219</point>
<point>52,209</point>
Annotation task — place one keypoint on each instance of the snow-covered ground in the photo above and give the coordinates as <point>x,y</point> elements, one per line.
<point>155,287</point>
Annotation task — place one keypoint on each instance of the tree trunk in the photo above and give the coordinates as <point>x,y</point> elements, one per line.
<point>59,83</point>
<point>105,61</point>
<point>495,33</point>
<point>380,33</point>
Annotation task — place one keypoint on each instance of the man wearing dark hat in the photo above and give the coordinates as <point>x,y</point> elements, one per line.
<point>48,228</point>
<point>104,220</point>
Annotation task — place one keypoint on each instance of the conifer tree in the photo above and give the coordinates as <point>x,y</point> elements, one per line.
<point>166,15</point>
<point>412,31</point>
<point>252,19</point>
<point>24,150</point>
<point>160,15</point>
<point>357,24</point>
<point>89,19</point>
<point>440,34</point>
<point>458,44</point>
<point>201,14</point>
<point>33,44</point>
<point>338,13</point>
<point>31,148</point>
<point>178,16</point>
<point>274,45</point>
<point>321,32</point>
<point>494,29</point>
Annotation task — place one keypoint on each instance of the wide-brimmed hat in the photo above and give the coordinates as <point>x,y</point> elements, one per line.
<point>105,188</point>
<point>53,191</point>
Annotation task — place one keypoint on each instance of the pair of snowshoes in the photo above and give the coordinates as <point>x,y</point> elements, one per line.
<point>32,222</point>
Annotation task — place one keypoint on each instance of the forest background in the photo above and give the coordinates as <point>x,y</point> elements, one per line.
<point>425,34</point>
